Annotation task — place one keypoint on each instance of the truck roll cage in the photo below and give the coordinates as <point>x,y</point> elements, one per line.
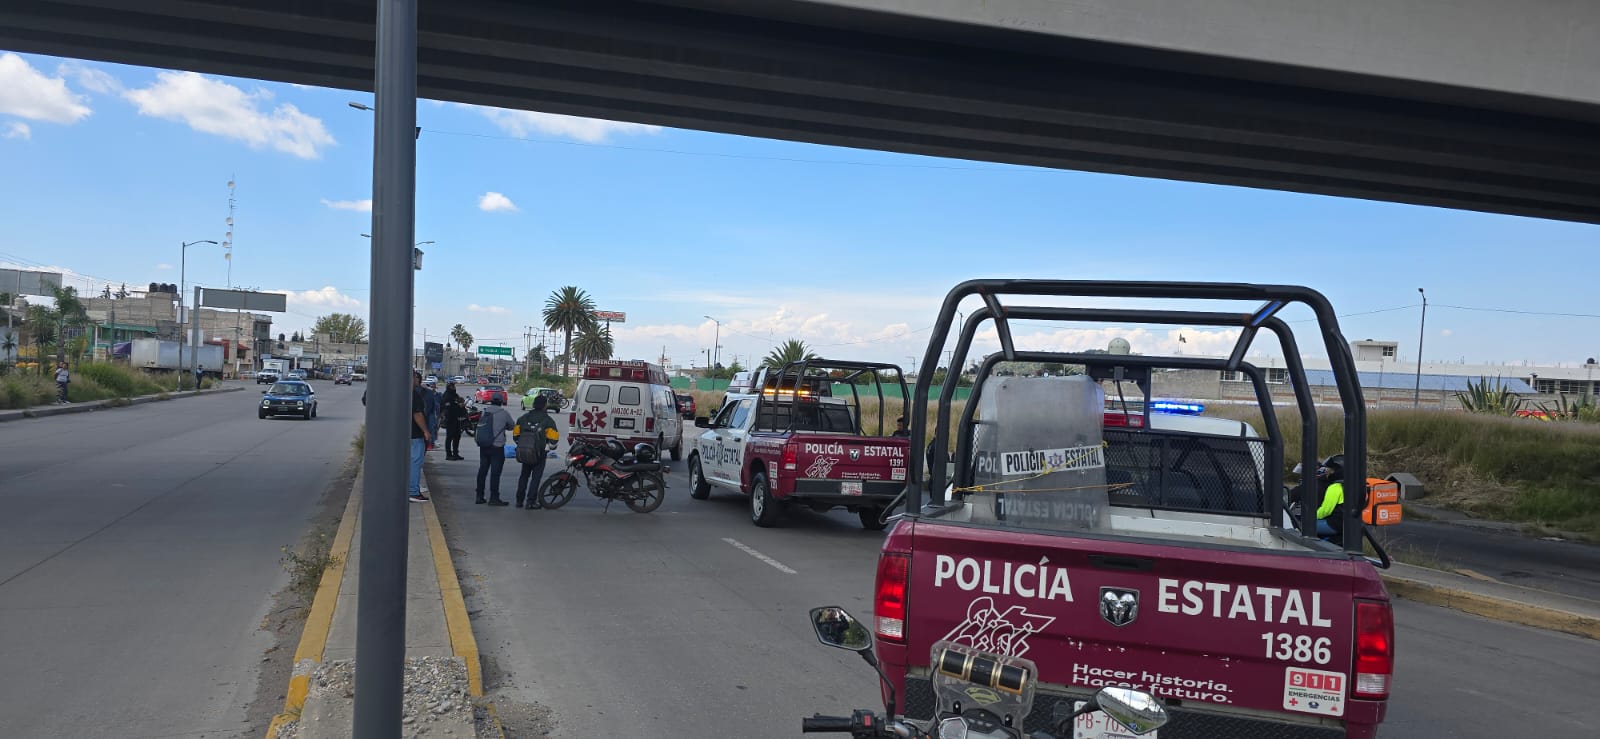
<point>793,377</point>
<point>1273,299</point>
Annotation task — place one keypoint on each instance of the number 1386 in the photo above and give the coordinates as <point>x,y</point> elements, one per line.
<point>1297,648</point>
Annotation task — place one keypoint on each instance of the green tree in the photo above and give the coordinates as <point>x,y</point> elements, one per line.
<point>593,342</point>
<point>792,350</point>
<point>69,313</point>
<point>462,337</point>
<point>41,331</point>
<point>8,346</point>
<point>567,310</point>
<point>341,328</point>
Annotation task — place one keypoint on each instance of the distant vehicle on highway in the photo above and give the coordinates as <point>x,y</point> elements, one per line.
<point>266,377</point>
<point>458,379</point>
<point>685,405</point>
<point>553,404</point>
<point>488,393</point>
<point>288,398</point>
<point>358,376</point>
<point>343,378</point>
<point>297,374</point>
<point>430,380</point>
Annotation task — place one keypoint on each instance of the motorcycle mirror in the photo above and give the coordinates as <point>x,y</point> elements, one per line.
<point>1138,711</point>
<point>835,627</point>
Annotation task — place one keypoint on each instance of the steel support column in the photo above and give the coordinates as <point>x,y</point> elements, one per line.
<point>381,604</point>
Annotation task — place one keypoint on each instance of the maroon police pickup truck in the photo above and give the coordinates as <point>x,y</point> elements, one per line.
<point>787,440</point>
<point>1131,555</point>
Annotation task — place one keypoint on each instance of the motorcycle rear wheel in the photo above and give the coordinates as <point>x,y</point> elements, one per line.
<point>645,492</point>
<point>557,489</point>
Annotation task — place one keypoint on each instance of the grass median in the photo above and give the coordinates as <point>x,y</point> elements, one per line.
<point>90,381</point>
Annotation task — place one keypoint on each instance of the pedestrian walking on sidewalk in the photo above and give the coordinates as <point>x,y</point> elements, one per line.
<point>491,433</point>
<point>419,439</point>
<point>430,409</point>
<point>63,379</point>
<point>455,415</point>
<point>534,433</point>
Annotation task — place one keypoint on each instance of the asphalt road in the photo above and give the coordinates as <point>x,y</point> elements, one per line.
<point>139,553</point>
<point>1499,553</point>
<point>628,624</point>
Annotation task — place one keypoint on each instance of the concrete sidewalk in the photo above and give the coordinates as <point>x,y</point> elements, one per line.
<point>1492,599</point>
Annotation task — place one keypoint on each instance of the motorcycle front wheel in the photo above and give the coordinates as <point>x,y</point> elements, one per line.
<point>645,492</point>
<point>557,490</point>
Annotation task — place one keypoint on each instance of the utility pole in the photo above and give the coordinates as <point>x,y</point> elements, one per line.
<point>1422,332</point>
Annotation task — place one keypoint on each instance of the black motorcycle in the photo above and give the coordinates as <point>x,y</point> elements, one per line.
<point>611,472</point>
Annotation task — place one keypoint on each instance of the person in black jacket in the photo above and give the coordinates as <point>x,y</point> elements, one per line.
<point>455,416</point>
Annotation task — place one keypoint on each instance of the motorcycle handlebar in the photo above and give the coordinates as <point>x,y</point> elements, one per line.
<point>818,724</point>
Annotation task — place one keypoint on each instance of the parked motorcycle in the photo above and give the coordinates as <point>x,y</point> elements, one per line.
<point>611,472</point>
<point>474,414</point>
<point>962,672</point>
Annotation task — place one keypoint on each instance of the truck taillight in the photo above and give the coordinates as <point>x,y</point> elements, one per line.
<point>1374,649</point>
<point>650,424</point>
<point>1124,420</point>
<point>791,456</point>
<point>572,418</point>
<point>894,571</point>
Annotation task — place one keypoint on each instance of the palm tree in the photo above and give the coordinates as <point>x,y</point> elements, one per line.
<point>69,312</point>
<point>792,350</point>
<point>568,309</point>
<point>41,328</point>
<point>461,336</point>
<point>594,342</point>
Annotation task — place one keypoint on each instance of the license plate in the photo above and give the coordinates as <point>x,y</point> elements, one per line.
<point>1097,725</point>
<point>850,488</point>
<point>625,423</point>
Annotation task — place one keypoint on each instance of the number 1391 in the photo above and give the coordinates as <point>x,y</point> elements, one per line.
<point>1298,648</point>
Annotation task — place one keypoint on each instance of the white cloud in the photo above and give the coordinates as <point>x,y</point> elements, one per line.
<point>26,92</point>
<point>491,202</point>
<point>1445,332</point>
<point>588,130</point>
<point>163,266</point>
<point>325,299</point>
<point>475,308</point>
<point>17,130</point>
<point>365,206</point>
<point>90,78</point>
<point>216,107</point>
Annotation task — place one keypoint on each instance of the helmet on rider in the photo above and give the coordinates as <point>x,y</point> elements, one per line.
<point>1332,468</point>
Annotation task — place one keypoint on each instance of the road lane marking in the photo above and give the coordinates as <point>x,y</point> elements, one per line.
<point>781,567</point>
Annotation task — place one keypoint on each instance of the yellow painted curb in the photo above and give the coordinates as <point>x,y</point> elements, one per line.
<point>1499,609</point>
<point>462,643</point>
<point>314,636</point>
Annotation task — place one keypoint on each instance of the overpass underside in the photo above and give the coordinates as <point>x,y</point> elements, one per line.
<point>821,74</point>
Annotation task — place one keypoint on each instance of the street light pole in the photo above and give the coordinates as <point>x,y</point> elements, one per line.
<point>1422,332</point>
<point>183,285</point>
<point>717,343</point>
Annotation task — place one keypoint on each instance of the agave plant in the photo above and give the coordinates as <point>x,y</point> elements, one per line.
<point>1495,399</point>
<point>1582,409</point>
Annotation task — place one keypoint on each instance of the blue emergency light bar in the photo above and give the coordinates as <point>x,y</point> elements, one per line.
<point>1176,408</point>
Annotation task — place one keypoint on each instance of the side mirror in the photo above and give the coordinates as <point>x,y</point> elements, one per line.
<point>702,422</point>
<point>1137,711</point>
<point>835,627</point>
<point>263,392</point>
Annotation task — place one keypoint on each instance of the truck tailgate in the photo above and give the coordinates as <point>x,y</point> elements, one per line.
<point>1276,628</point>
<point>824,463</point>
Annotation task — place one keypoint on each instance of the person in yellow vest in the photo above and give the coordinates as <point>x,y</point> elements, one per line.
<point>1330,514</point>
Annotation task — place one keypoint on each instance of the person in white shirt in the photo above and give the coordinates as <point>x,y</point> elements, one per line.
<point>63,378</point>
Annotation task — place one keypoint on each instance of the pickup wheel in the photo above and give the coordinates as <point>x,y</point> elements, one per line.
<point>261,414</point>
<point>763,507</point>
<point>677,451</point>
<point>872,519</point>
<point>699,489</point>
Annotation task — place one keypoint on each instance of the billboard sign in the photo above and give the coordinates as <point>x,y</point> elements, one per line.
<point>611,316</point>
<point>433,351</point>
<point>27,282</point>
<point>244,300</point>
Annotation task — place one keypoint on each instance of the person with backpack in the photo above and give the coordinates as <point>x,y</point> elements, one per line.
<point>534,433</point>
<point>491,434</point>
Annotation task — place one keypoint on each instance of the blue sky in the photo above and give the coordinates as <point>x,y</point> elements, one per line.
<point>104,169</point>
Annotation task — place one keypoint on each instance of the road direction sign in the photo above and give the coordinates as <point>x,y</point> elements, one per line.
<point>495,351</point>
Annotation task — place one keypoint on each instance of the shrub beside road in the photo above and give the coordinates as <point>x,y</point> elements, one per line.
<point>90,381</point>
